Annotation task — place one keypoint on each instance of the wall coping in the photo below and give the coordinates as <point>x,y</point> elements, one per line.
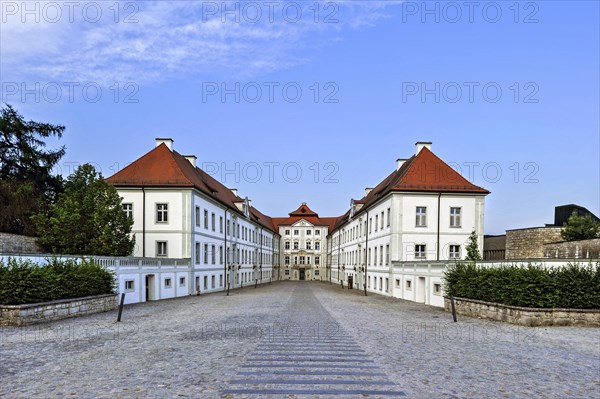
<point>57,302</point>
<point>500,305</point>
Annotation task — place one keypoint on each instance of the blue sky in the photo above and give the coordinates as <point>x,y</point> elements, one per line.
<point>508,94</point>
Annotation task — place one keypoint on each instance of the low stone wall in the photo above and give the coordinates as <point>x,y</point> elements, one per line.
<point>22,315</point>
<point>18,244</point>
<point>529,317</point>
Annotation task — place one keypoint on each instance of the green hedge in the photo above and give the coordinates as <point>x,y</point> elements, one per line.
<point>24,282</point>
<point>573,286</point>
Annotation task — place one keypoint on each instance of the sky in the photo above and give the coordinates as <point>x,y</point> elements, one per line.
<point>306,101</point>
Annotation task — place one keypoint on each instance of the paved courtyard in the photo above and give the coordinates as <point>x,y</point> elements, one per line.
<point>295,340</point>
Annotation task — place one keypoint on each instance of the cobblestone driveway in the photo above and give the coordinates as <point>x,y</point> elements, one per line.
<point>295,340</point>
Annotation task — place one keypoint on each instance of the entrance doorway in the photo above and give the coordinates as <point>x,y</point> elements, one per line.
<point>350,282</point>
<point>302,274</point>
<point>421,293</point>
<point>150,288</point>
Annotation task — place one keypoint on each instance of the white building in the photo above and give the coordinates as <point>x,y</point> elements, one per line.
<point>424,211</point>
<point>304,244</point>
<point>181,212</point>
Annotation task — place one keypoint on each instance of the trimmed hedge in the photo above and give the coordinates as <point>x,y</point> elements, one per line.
<point>573,286</point>
<point>25,282</point>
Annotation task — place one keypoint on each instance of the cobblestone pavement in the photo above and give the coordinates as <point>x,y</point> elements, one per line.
<point>295,340</point>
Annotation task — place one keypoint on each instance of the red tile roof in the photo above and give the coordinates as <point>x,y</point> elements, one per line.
<point>424,172</point>
<point>304,213</point>
<point>162,167</point>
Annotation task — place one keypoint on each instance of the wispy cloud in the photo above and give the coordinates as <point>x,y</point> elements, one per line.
<point>159,40</point>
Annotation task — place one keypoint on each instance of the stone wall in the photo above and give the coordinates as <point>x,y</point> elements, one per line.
<point>529,243</point>
<point>22,315</point>
<point>18,244</point>
<point>583,249</point>
<point>528,317</point>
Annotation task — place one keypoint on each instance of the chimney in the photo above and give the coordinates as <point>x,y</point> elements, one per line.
<point>423,144</point>
<point>400,162</point>
<point>368,190</point>
<point>168,142</point>
<point>234,191</point>
<point>192,159</point>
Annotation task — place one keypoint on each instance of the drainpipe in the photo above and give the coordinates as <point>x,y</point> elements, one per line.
<point>225,277</point>
<point>438,227</point>
<point>366,251</point>
<point>143,222</point>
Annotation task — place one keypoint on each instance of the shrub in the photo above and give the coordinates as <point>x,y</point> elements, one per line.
<point>23,281</point>
<point>572,286</point>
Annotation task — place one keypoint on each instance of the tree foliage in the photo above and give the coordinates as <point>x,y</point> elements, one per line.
<point>27,184</point>
<point>580,228</point>
<point>473,248</point>
<point>87,219</point>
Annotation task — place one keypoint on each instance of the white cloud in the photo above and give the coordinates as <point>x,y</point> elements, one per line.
<point>173,39</point>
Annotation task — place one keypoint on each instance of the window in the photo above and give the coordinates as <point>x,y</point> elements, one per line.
<point>421,220</point>
<point>388,217</point>
<point>287,245</point>
<point>409,285</point>
<point>228,227</point>
<point>128,209</point>
<point>317,260</point>
<point>302,260</point>
<point>205,255</point>
<point>205,282</point>
<point>308,245</point>
<point>296,244</point>
<point>308,232</point>
<point>198,216</point>
<point>205,221</point>
<point>381,255</point>
<point>387,284</point>
<point>220,280</point>
<point>212,282</point>
<point>220,224</point>
<point>167,283</point>
<point>455,217</point>
<point>129,286</point>
<point>437,289</point>
<point>380,283</point>
<point>454,252</point>
<point>286,260</point>
<point>296,232</point>
<point>370,225</point>
<point>212,221</point>
<point>182,281</point>
<point>420,251</point>
<point>381,220</point>
<point>220,254</point>
<point>213,255</point>
<point>287,232</point>
<point>317,232</point>
<point>318,246</point>
<point>316,272</point>
<point>287,272</point>
<point>375,256</point>
<point>387,254</point>
<point>197,253</point>
<point>161,248</point>
<point>397,282</point>
<point>376,222</point>
<point>162,213</point>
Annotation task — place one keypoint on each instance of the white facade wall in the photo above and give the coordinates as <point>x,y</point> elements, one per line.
<point>196,228</point>
<point>307,232</point>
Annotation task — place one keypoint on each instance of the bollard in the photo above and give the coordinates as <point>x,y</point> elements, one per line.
<point>453,308</point>
<point>121,307</point>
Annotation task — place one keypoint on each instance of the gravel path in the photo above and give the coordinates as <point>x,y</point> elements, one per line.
<point>295,339</point>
